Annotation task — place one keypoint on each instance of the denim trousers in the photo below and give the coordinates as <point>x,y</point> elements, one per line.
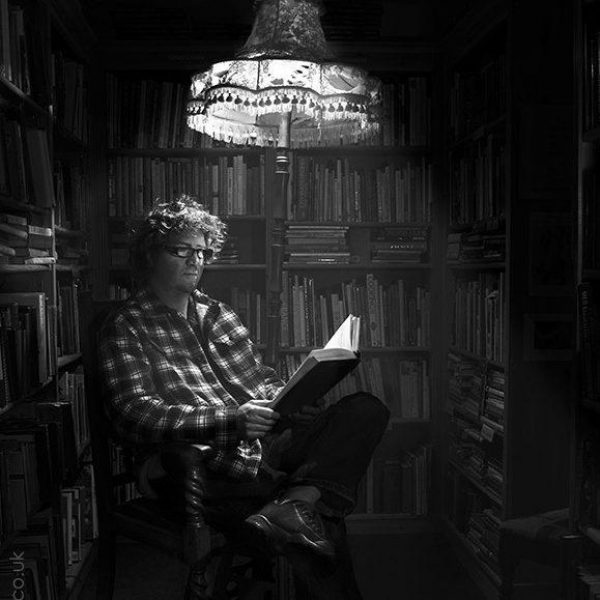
<point>331,453</point>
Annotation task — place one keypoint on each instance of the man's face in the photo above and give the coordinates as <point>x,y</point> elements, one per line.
<point>175,273</point>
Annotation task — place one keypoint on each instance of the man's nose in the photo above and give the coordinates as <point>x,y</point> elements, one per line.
<point>194,258</point>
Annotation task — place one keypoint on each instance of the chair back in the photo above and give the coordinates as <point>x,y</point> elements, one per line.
<point>93,315</point>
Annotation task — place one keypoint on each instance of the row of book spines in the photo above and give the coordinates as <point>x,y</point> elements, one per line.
<point>19,486</point>
<point>35,555</point>
<point>69,95</point>
<point>479,316</point>
<point>158,111</point>
<point>121,463</point>
<point>250,306</point>
<point>227,187</point>
<point>406,113</point>
<point>334,191</point>
<point>406,391</point>
<point>396,485</point>
<point>73,196</point>
<point>68,341</point>
<point>79,517</point>
<point>18,345</point>
<point>14,46</point>
<point>477,423</point>
<point>21,241</point>
<point>589,322</point>
<point>396,315</point>
<point>483,533</point>
<point>43,454</point>
<point>71,386</point>
<point>25,166</point>
<point>477,97</point>
<point>146,114</point>
<point>477,184</point>
<point>28,353</point>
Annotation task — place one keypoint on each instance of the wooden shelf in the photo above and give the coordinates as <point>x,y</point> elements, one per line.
<point>71,268</point>
<point>70,233</point>
<point>10,204</point>
<point>66,360</point>
<point>357,224</point>
<point>184,152</point>
<point>357,266</point>
<point>477,357</point>
<point>14,95</point>
<point>464,473</point>
<point>483,266</point>
<point>461,540</point>
<point>361,150</point>
<point>365,350</point>
<point>225,218</point>
<point>211,267</point>
<point>14,269</point>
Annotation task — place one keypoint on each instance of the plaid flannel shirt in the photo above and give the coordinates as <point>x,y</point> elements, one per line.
<point>161,387</point>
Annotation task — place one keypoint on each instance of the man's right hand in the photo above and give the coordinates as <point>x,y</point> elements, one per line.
<point>255,419</point>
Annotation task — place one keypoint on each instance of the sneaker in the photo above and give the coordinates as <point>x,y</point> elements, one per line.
<point>292,522</point>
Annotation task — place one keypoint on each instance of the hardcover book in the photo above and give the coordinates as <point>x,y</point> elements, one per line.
<point>322,369</point>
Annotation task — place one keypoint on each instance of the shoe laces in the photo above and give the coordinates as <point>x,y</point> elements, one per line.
<point>310,516</point>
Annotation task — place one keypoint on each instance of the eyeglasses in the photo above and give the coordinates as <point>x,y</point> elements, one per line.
<point>204,254</point>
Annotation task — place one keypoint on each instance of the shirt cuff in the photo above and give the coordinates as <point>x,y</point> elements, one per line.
<point>226,431</point>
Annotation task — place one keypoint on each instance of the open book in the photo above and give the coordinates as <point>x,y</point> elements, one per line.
<point>321,369</point>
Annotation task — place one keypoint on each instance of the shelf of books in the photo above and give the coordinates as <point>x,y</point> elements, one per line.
<point>475,288</point>
<point>46,497</point>
<point>356,230</point>
<point>497,215</point>
<point>585,488</point>
<point>357,240</point>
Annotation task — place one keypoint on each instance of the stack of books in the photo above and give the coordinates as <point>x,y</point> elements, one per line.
<point>476,247</point>
<point>483,533</point>
<point>492,418</point>
<point>398,244</point>
<point>230,254</point>
<point>23,243</point>
<point>310,244</point>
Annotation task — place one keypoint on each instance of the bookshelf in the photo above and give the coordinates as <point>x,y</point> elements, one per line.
<point>46,487</point>
<point>353,217</point>
<point>508,337</point>
<point>586,423</point>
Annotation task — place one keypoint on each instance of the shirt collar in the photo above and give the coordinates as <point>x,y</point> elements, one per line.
<point>150,303</point>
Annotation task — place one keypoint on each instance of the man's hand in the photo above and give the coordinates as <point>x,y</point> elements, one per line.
<point>255,419</point>
<point>308,413</point>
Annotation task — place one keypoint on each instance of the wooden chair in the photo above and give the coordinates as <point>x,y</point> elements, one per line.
<point>144,520</point>
<point>545,539</point>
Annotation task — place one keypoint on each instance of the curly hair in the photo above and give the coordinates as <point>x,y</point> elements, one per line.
<point>184,214</point>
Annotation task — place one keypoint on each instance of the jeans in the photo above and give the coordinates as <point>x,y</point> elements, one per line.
<point>331,453</point>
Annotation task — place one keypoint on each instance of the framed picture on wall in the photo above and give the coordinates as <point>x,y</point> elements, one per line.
<point>550,260</point>
<point>548,337</point>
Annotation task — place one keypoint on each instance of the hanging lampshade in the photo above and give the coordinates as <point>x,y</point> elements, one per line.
<point>285,70</point>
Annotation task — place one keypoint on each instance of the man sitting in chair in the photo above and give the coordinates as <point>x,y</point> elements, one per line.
<point>179,367</point>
